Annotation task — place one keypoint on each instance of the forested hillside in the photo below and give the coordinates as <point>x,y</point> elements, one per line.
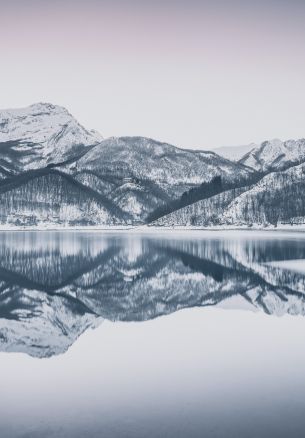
<point>55,172</point>
<point>278,198</point>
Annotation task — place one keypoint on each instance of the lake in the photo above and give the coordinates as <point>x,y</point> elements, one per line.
<point>169,334</point>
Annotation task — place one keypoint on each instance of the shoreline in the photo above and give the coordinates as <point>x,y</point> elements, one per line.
<point>156,229</point>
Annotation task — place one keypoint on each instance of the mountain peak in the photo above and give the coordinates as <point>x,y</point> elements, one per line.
<point>275,154</point>
<point>46,106</point>
<point>275,142</point>
<point>41,134</point>
<point>38,108</point>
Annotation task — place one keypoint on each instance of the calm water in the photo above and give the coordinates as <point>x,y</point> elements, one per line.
<point>170,335</point>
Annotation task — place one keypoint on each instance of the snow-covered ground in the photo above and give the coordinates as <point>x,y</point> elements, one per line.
<point>180,230</point>
<point>254,228</point>
<point>54,227</point>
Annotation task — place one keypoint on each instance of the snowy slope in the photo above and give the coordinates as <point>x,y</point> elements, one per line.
<point>135,174</point>
<point>160,162</point>
<point>126,179</point>
<point>206,212</point>
<point>278,198</point>
<point>47,197</point>
<point>40,134</point>
<point>275,155</point>
<point>235,153</point>
<point>140,173</point>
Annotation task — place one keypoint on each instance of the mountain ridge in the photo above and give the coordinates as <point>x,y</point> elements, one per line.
<point>128,178</point>
<point>40,134</point>
<point>275,154</point>
<point>277,198</point>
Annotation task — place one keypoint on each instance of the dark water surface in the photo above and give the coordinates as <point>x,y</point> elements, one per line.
<point>161,335</point>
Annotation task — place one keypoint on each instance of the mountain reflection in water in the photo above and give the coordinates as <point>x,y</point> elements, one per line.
<point>55,285</point>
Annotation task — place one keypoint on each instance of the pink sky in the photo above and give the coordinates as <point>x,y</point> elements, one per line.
<point>198,74</point>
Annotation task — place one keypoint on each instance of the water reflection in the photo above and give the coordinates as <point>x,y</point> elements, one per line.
<point>53,286</point>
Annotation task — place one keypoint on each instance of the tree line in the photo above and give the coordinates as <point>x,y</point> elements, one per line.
<point>205,190</point>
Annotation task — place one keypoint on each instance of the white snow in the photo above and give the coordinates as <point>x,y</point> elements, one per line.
<point>275,154</point>
<point>49,130</point>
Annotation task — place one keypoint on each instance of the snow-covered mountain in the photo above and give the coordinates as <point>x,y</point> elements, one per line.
<point>55,172</point>
<point>275,155</point>
<point>278,198</point>
<point>33,141</point>
<point>48,197</point>
<point>39,135</point>
<point>140,173</point>
<point>116,180</point>
<point>235,153</point>
<point>162,163</point>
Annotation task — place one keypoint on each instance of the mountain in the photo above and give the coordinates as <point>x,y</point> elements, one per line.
<point>275,155</point>
<point>39,135</point>
<point>54,172</point>
<point>33,142</point>
<point>168,166</point>
<point>54,286</point>
<point>235,153</point>
<point>48,197</point>
<point>126,178</point>
<point>278,198</point>
<point>140,173</point>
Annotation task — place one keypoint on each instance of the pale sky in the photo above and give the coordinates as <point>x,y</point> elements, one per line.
<point>197,74</point>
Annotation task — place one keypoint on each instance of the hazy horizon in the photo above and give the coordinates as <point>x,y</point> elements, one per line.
<point>196,74</point>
